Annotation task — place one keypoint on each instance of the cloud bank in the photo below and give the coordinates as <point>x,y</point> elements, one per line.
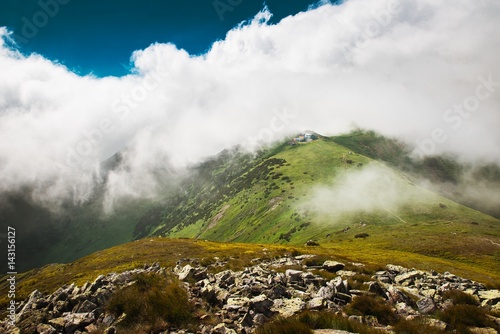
<point>370,189</point>
<point>425,71</point>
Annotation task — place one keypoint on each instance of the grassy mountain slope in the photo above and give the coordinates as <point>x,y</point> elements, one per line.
<point>265,207</point>
<point>293,194</point>
<point>452,179</point>
<point>286,194</point>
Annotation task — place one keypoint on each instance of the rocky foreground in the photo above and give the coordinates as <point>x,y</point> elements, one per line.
<point>241,301</point>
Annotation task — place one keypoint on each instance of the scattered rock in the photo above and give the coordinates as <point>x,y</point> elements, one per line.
<point>376,288</point>
<point>293,275</point>
<point>316,303</point>
<point>45,329</point>
<point>58,323</point>
<point>426,305</point>
<point>325,292</point>
<point>186,272</point>
<point>436,323</point>
<point>356,318</point>
<point>243,300</point>
<point>311,243</point>
<point>333,266</point>
<point>85,307</point>
<point>110,330</point>
<point>262,304</point>
<point>288,307</point>
<point>222,329</point>
<point>408,277</point>
<point>489,297</point>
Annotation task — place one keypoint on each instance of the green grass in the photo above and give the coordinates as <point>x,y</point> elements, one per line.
<point>263,201</point>
<point>398,154</point>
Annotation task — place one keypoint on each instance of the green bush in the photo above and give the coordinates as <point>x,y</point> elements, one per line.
<point>324,274</point>
<point>152,300</point>
<point>309,320</point>
<point>296,252</point>
<point>319,320</point>
<point>357,281</point>
<point>416,326</point>
<point>462,316</point>
<point>460,297</point>
<point>316,261</point>
<point>284,326</point>
<point>369,305</point>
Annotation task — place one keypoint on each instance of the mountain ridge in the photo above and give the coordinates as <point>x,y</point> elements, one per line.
<point>262,208</point>
<point>230,193</point>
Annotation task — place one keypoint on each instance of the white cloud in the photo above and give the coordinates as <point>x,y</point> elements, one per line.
<point>370,189</point>
<point>392,66</point>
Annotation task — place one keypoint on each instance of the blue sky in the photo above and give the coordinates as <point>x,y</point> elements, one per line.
<point>99,36</point>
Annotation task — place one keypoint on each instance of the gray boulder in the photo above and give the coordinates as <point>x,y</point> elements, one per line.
<point>426,305</point>
<point>333,266</point>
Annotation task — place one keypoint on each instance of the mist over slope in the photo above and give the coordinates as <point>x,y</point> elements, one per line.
<point>473,184</point>
<point>288,192</point>
<point>325,192</point>
<point>424,72</point>
<point>295,188</point>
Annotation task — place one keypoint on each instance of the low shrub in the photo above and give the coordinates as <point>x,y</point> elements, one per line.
<point>207,261</point>
<point>461,316</point>
<point>152,300</point>
<point>306,321</point>
<point>284,326</point>
<point>369,305</point>
<point>357,281</point>
<point>325,274</point>
<point>295,252</point>
<point>415,326</point>
<point>318,320</point>
<point>316,261</point>
<point>460,297</point>
<point>368,269</point>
